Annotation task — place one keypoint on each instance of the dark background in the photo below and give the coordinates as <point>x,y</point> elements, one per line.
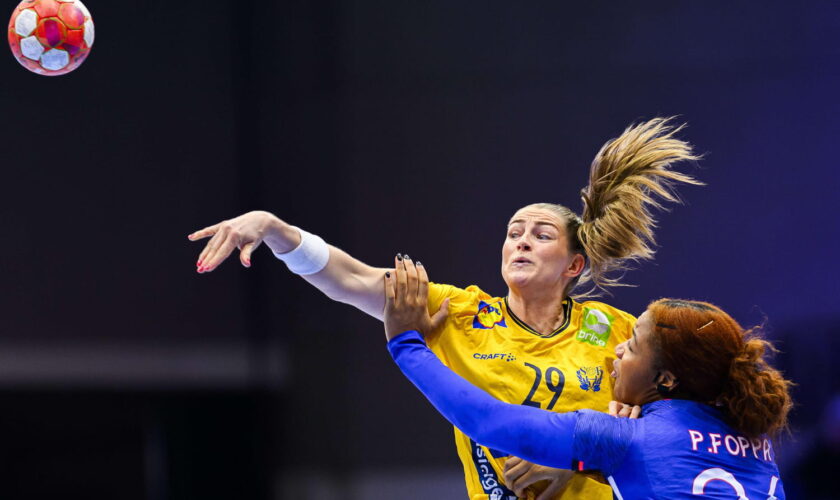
<point>382,126</point>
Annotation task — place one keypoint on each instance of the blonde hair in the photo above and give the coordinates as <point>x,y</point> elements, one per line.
<point>630,176</point>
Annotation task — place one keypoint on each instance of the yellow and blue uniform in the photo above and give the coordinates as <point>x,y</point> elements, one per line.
<point>565,370</point>
<point>679,449</point>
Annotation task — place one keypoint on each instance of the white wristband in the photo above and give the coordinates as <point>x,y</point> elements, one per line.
<point>310,257</point>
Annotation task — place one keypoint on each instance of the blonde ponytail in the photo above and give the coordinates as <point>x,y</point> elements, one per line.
<point>630,175</point>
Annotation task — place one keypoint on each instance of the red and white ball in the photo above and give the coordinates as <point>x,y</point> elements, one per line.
<point>51,37</point>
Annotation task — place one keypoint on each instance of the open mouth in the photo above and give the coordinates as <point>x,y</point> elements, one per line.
<point>521,261</point>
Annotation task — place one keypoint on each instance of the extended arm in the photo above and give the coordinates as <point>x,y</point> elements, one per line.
<point>595,440</point>
<point>536,435</point>
<point>344,279</point>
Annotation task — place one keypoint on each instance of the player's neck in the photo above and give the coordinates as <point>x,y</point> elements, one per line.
<point>542,312</point>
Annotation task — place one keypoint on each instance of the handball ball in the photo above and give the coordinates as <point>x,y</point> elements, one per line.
<point>51,37</point>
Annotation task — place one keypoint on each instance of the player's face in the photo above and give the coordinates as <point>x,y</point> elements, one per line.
<point>634,369</point>
<point>536,252</point>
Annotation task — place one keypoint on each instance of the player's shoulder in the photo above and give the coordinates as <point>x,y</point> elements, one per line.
<point>459,296</point>
<point>614,313</point>
<point>609,323</point>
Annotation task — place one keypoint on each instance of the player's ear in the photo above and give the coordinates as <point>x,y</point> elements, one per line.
<point>576,266</point>
<point>666,382</point>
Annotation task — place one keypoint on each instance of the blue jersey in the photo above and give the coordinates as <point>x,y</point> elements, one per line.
<point>678,449</point>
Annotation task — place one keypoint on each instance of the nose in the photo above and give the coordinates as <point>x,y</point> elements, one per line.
<point>523,244</point>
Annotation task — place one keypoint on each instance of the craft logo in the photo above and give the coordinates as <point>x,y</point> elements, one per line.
<point>595,327</point>
<point>489,315</point>
<point>507,356</point>
<point>590,378</point>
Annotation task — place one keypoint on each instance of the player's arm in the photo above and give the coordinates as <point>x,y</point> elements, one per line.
<point>538,436</point>
<point>582,440</point>
<point>343,278</point>
<point>543,437</point>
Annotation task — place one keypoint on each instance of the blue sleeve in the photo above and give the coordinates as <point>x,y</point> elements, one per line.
<point>601,441</point>
<point>582,440</point>
<point>536,435</point>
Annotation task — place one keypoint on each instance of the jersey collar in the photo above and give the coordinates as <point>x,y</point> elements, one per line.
<point>567,318</point>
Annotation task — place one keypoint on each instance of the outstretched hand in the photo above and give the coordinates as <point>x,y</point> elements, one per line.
<point>245,233</point>
<point>406,300</point>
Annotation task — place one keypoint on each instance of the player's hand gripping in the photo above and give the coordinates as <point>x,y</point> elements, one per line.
<point>246,233</point>
<point>521,475</point>
<point>406,299</point>
<point>619,409</point>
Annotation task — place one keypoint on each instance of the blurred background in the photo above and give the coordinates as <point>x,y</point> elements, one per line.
<point>384,127</point>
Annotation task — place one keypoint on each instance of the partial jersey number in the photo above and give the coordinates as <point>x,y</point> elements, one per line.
<point>718,474</point>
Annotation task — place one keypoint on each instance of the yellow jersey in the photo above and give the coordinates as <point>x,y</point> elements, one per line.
<point>568,369</point>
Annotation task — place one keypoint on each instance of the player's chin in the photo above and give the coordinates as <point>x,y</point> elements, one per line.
<point>517,276</point>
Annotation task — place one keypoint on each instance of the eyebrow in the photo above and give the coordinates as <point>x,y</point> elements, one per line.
<point>539,223</point>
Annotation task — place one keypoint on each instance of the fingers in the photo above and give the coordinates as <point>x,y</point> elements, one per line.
<point>514,468</point>
<point>245,232</point>
<point>245,253</point>
<point>625,411</point>
<point>619,409</point>
<point>552,489</point>
<point>221,250</point>
<point>440,316</point>
<point>390,293</point>
<point>411,279</point>
<point>209,248</point>
<point>222,231</point>
<point>411,290</point>
<point>511,462</point>
<point>391,313</point>
<point>422,283</point>
<point>204,233</point>
<point>521,475</point>
<point>533,473</point>
<point>557,485</point>
<point>389,286</point>
<point>522,482</point>
<point>401,279</point>
<point>200,234</point>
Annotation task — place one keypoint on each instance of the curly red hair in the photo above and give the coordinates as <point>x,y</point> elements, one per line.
<point>718,362</point>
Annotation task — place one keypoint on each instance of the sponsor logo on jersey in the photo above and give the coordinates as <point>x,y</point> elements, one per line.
<point>590,378</point>
<point>507,356</point>
<point>488,316</point>
<point>490,483</point>
<point>595,328</point>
